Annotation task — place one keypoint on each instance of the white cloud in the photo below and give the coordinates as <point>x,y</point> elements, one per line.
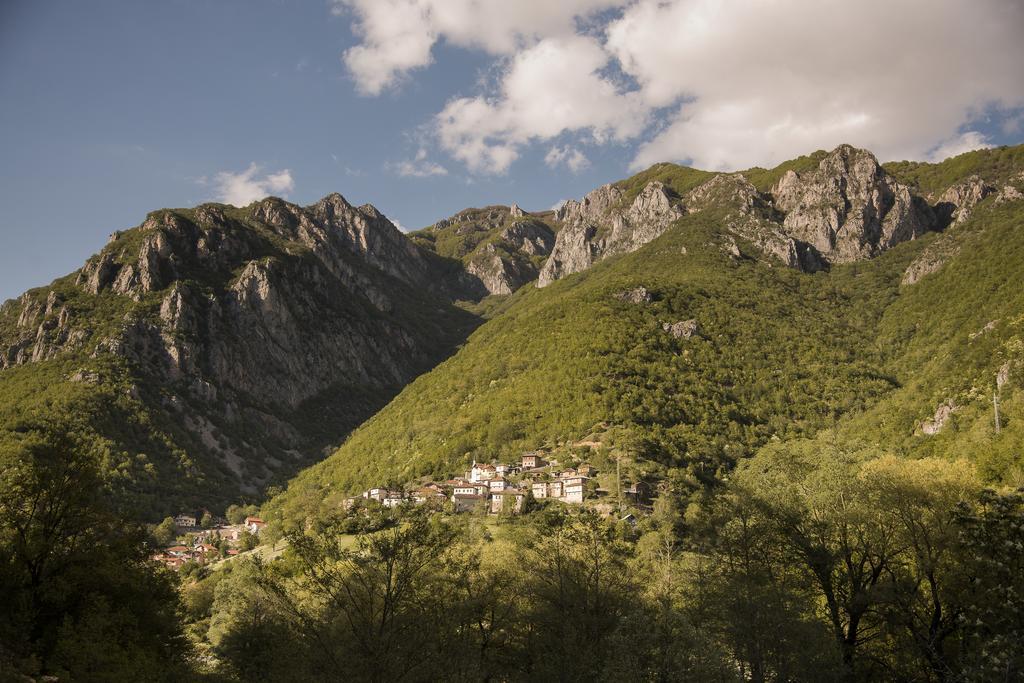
<point>398,35</point>
<point>552,87</point>
<point>764,81</point>
<point>241,189</point>
<point>722,84</point>
<point>573,159</point>
<point>419,167</point>
<point>959,144</point>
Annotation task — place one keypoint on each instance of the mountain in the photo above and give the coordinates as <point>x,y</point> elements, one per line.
<point>501,247</point>
<point>685,319</point>
<point>681,317</point>
<point>217,350</point>
<point>846,209</point>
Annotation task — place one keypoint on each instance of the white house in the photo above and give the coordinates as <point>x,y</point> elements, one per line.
<point>464,489</point>
<point>574,490</point>
<point>498,484</point>
<point>532,460</point>
<point>393,499</point>
<point>184,520</point>
<point>377,494</point>
<point>480,472</point>
<point>540,489</point>
<point>426,494</point>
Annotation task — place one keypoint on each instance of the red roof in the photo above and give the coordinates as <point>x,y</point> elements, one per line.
<point>252,520</point>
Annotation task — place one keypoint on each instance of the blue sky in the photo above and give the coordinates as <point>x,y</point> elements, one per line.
<point>110,109</point>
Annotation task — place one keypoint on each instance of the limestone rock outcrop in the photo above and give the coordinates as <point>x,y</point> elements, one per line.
<point>749,214</point>
<point>846,209</point>
<point>937,422</point>
<point>932,259</point>
<point>499,274</point>
<point>637,295</point>
<point>849,208</point>
<point>599,226</point>
<point>500,247</point>
<point>684,329</point>
<point>956,204</point>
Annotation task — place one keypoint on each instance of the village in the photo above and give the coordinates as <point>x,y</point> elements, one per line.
<point>203,546</point>
<point>502,488</point>
<point>493,488</point>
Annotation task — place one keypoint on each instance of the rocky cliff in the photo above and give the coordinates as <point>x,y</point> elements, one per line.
<point>267,332</point>
<point>600,225</point>
<point>500,248</point>
<point>849,208</point>
<point>846,209</point>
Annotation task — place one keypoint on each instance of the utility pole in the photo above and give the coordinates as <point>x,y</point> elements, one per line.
<point>995,407</point>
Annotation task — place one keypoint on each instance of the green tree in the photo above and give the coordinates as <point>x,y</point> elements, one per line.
<point>992,552</point>
<point>579,588</point>
<point>251,635</point>
<point>926,585</point>
<point>81,599</point>
<point>165,532</point>
<point>831,526</point>
<point>363,610</point>
<point>248,541</point>
<point>236,514</point>
<point>746,592</point>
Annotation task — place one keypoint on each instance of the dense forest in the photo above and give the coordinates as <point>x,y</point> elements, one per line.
<point>817,561</point>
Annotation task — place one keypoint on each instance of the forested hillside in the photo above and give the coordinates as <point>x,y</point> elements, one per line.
<point>905,350</point>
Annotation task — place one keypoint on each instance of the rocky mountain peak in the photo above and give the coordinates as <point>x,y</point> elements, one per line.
<point>849,208</point>
<point>599,226</point>
<point>593,208</point>
<point>501,247</point>
<point>726,190</point>
<point>331,206</point>
<point>249,321</point>
<point>276,213</point>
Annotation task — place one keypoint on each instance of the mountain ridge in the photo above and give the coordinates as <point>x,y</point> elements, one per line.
<point>255,336</point>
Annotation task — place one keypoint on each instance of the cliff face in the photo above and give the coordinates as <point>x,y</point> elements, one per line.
<point>600,226</point>
<point>498,249</point>
<point>251,324</point>
<point>849,209</point>
<point>846,209</point>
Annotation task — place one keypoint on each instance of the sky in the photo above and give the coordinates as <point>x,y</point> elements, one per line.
<point>110,109</point>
